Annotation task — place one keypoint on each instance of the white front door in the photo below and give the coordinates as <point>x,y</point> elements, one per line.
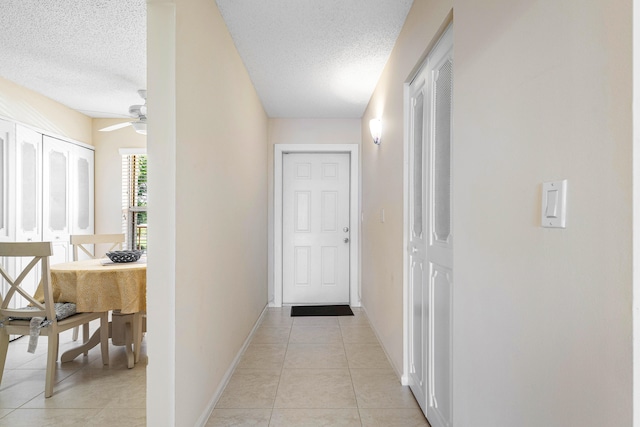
<point>430,235</point>
<point>315,228</point>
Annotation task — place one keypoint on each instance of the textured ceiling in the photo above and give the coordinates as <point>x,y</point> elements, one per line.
<point>89,55</point>
<point>306,58</point>
<point>314,58</point>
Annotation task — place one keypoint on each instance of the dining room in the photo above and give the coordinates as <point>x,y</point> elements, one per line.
<point>62,177</point>
<point>50,176</point>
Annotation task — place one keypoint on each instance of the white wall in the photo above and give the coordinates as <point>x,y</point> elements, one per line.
<point>636,212</point>
<point>161,268</point>
<point>220,204</point>
<point>108,172</point>
<point>542,317</point>
<point>303,131</point>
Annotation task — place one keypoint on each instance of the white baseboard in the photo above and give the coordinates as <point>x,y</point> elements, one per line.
<point>202,421</point>
<point>404,380</point>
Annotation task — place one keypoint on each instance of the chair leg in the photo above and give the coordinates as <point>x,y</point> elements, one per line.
<point>51,364</point>
<point>4,348</point>
<point>75,334</point>
<point>104,337</point>
<point>85,335</point>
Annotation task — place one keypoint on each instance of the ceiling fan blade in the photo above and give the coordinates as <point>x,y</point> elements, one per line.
<point>116,126</point>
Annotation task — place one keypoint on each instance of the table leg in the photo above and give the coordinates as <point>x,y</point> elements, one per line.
<point>126,330</point>
<point>71,354</point>
<point>125,334</point>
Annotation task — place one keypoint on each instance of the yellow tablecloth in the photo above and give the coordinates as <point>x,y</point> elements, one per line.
<point>97,287</point>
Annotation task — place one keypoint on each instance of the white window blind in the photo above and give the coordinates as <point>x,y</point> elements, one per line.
<point>134,200</point>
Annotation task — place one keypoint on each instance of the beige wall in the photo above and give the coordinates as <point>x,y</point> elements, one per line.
<point>382,178</point>
<point>108,170</point>
<point>220,207</point>
<point>542,317</point>
<point>304,131</point>
<point>551,84</point>
<point>25,106</point>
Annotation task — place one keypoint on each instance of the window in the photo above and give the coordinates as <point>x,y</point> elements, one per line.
<point>134,200</point>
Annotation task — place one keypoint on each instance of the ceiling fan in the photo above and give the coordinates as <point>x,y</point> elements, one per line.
<point>137,111</point>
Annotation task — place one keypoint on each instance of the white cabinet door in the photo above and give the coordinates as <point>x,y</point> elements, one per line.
<point>28,185</point>
<point>7,177</point>
<point>56,198</point>
<point>82,188</point>
<point>7,193</point>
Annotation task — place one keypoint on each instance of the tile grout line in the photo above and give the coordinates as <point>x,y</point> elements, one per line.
<point>353,388</point>
<point>273,405</point>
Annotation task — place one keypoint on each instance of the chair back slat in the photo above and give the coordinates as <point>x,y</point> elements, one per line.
<point>15,284</point>
<point>25,249</point>
<point>79,240</point>
<point>40,251</point>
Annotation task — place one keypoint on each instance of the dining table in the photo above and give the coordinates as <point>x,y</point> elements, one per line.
<point>99,285</point>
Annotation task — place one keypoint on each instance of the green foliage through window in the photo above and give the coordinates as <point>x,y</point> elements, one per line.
<point>134,200</point>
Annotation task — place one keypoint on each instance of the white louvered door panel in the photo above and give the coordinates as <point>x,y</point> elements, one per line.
<point>316,228</point>
<point>28,185</point>
<point>431,235</point>
<point>56,200</point>
<point>7,180</point>
<point>7,190</point>
<point>440,248</point>
<point>440,234</point>
<point>82,190</point>
<point>28,198</point>
<point>418,316</point>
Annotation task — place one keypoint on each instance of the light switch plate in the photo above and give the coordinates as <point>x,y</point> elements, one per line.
<point>554,204</point>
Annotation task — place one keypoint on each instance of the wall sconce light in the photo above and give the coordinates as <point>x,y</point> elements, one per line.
<point>375,126</point>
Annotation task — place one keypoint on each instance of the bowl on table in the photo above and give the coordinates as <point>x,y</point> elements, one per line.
<point>124,256</point>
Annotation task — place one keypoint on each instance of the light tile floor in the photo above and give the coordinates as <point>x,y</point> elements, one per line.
<point>303,371</point>
<point>86,392</point>
<point>315,371</point>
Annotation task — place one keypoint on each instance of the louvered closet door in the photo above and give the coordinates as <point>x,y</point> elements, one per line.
<point>82,184</point>
<point>56,200</point>
<point>28,198</point>
<point>7,174</point>
<point>315,228</point>
<point>440,235</point>
<point>28,185</point>
<point>7,193</point>
<point>430,230</point>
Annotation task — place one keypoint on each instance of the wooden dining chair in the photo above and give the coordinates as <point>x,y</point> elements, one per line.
<point>78,242</point>
<point>40,318</point>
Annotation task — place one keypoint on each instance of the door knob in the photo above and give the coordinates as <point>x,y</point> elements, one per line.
<point>346,240</point>
<point>414,250</point>
<point>346,229</point>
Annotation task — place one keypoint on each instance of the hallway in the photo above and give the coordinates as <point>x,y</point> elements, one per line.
<point>315,371</point>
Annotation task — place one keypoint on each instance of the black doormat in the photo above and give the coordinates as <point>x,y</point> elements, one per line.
<point>321,310</point>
